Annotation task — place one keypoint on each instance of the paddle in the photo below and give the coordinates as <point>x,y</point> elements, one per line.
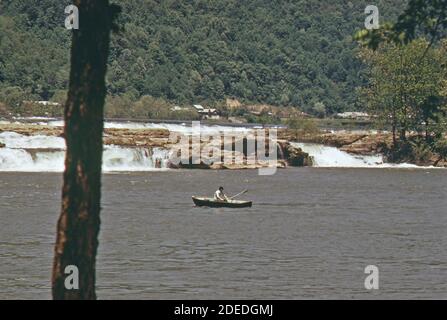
<point>240,193</point>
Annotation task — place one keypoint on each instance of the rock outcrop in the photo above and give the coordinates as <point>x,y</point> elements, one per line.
<point>136,137</point>
<point>241,153</point>
<point>294,156</point>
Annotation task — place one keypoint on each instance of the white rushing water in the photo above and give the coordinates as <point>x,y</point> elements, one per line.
<point>18,141</point>
<point>41,153</point>
<point>46,154</point>
<point>184,128</point>
<point>324,156</point>
<point>331,157</point>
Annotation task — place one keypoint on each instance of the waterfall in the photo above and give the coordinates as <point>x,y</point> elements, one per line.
<point>331,157</point>
<point>46,154</point>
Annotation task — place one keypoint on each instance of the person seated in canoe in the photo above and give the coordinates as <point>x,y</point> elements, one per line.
<point>219,195</point>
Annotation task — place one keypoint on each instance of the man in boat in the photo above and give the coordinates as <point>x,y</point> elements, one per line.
<point>219,195</point>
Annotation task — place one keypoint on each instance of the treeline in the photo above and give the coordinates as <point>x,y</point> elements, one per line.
<point>288,53</point>
<point>407,81</point>
<point>407,92</point>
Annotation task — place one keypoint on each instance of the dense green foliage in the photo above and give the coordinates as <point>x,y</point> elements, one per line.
<point>420,18</point>
<point>290,52</point>
<point>408,90</point>
<point>408,80</point>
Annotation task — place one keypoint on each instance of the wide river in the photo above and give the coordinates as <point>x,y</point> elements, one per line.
<point>310,234</point>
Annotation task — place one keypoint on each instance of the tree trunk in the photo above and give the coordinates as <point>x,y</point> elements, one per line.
<point>403,135</point>
<point>78,224</point>
<point>394,135</point>
<point>394,128</point>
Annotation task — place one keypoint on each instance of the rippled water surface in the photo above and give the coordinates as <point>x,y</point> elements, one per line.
<point>310,234</point>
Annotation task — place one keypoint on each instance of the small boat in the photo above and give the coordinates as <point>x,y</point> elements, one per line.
<point>210,202</point>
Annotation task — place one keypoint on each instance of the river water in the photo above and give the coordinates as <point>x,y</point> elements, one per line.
<point>310,234</point>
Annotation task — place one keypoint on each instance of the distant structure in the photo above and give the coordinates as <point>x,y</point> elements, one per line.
<point>198,107</point>
<point>207,113</point>
<point>353,115</point>
<point>178,108</point>
<point>42,103</point>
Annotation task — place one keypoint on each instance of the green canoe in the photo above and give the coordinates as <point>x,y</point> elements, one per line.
<point>210,202</point>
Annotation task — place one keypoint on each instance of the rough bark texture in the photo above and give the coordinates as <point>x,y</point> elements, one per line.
<point>78,225</point>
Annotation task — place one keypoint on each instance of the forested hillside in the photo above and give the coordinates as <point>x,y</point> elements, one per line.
<point>285,52</point>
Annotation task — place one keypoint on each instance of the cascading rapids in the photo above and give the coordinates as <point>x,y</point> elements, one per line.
<point>46,154</point>
<point>331,157</point>
<point>39,153</point>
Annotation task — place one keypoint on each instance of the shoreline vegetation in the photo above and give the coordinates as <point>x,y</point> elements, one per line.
<point>355,142</point>
<point>301,73</point>
<point>396,86</point>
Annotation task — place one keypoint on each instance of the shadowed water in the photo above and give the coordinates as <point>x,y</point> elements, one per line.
<point>310,234</point>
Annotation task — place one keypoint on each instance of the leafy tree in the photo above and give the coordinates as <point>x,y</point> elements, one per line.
<point>14,96</point>
<point>302,126</point>
<point>421,17</point>
<point>319,109</point>
<point>406,85</point>
<point>440,148</point>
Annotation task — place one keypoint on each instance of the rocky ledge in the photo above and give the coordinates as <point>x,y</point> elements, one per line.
<point>241,153</point>
<point>235,155</point>
<point>112,136</point>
